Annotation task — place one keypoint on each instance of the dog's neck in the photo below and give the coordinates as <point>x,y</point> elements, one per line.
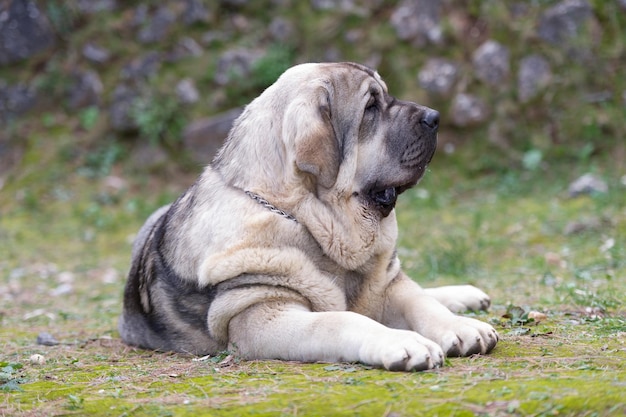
<point>270,206</point>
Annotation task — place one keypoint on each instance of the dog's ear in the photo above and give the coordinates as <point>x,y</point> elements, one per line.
<point>308,126</point>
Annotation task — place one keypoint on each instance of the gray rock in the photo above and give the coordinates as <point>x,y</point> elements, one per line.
<point>533,76</point>
<point>46,339</point>
<point>560,23</point>
<point>587,184</point>
<point>491,62</point>
<point>120,109</point>
<point>237,62</point>
<point>234,3</point>
<point>281,29</point>
<point>85,90</point>
<point>332,54</point>
<point>213,36</point>
<point>140,15</point>
<point>418,21</point>
<point>16,100</point>
<point>145,156</point>
<point>142,67</point>
<point>96,6</point>
<point>158,27</point>
<point>439,76</point>
<point>96,54</point>
<point>348,6</point>
<point>24,31</point>
<point>203,138</point>
<point>587,224</point>
<point>468,110</point>
<point>187,92</point>
<point>185,47</point>
<point>196,12</point>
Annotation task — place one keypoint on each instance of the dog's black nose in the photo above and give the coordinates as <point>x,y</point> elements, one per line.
<point>430,119</point>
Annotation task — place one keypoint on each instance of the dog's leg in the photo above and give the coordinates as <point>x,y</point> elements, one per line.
<point>407,306</point>
<point>289,331</point>
<point>459,298</point>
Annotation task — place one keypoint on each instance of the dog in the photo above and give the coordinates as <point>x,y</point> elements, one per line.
<point>285,246</point>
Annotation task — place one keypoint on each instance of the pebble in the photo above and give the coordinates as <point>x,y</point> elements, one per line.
<point>587,184</point>
<point>46,339</point>
<point>537,316</point>
<point>37,359</point>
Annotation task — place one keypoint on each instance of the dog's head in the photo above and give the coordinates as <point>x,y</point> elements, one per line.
<point>335,126</point>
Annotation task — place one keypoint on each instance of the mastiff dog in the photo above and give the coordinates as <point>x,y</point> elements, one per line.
<point>285,246</point>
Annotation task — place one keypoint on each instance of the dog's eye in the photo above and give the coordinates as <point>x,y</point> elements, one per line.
<point>372,103</point>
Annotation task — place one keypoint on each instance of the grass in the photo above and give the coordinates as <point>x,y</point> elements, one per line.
<point>498,217</point>
<point>65,236</point>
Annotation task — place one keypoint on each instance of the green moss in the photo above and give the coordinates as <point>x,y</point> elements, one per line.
<point>480,215</point>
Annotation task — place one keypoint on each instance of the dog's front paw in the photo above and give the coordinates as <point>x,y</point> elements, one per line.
<point>402,350</point>
<point>466,336</point>
<point>460,298</point>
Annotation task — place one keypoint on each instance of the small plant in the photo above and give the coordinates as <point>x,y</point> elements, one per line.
<point>63,15</point>
<point>243,87</point>
<point>159,119</point>
<point>89,117</point>
<point>74,402</point>
<point>9,377</point>
<point>267,69</point>
<point>516,316</point>
<point>98,163</point>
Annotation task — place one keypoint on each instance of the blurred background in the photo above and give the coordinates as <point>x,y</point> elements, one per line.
<point>156,84</point>
<point>110,108</point>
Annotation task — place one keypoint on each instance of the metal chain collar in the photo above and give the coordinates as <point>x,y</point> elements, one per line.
<point>269,206</point>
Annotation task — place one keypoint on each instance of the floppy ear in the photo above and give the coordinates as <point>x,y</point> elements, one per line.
<point>308,126</point>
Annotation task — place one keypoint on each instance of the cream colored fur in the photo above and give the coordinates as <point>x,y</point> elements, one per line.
<point>328,287</point>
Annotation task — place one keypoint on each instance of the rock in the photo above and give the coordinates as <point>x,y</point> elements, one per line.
<point>281,29</point>
<point>46,339</point>
<point>184,48</point>
<point>468,110</point>
<point>234,3</point>
<point>140,15</point>
<point>491,62</point>
<point>587,184</point>
<point>157,27</point>
<point>96,6</point>
<point>418,21</point>
<point>37,359</point>
<point>533,76</point>
<point>439,76</point>
<point>96,54</point>
<point>187,92</point>
<point>237,62</point>
<point>121,108</point>
<point>562,22</point>
<point>16,100</point>
<point>196,12</point>
<point>203,138</point>
<point>348,6</point>
<point>142,67</point>
<point>62,289</point>
<point>584,225</point>
<point>213,36</point>
<point>146,156</point>
<point>537,316</point>
<point>24,31</point>
<point>85,90</point>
